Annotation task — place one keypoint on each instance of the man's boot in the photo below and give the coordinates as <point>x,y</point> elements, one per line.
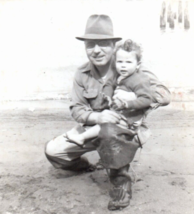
<point>121,191</point>
<point>82,164</point>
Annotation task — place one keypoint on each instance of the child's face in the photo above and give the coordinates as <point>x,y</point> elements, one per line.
<point>126,62</point>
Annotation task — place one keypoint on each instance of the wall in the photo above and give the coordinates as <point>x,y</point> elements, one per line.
<point>39,53</point>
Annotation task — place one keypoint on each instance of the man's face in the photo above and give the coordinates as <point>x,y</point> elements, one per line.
<point>126,62</point>
<point>99,52</point>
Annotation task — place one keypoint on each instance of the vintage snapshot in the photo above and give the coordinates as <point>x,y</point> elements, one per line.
<point>96,106</point>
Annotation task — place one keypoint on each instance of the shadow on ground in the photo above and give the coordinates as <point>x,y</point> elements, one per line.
<point>162,172</point>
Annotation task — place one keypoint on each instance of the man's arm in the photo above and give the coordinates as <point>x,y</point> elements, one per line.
<point>161,93</point>
<point>105,116</point>
<point>80,108</point>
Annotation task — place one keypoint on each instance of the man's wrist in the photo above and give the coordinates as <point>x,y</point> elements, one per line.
<point>93,118</point>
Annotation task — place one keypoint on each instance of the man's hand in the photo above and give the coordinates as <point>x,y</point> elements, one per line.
<point>108,116</point>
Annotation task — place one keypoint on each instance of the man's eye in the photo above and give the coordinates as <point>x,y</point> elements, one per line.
<point>119,61</point>
<point>103,43</point>
<point>128,61</point>
<point>90,44</point>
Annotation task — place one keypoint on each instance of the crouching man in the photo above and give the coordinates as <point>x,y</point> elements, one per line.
<point>115,145</point>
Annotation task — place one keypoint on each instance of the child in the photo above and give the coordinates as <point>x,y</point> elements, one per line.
<point>131,79</point>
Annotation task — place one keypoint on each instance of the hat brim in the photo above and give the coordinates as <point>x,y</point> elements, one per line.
<point>97,37</point>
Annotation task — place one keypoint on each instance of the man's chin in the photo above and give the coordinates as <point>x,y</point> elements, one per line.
<point>99,63</point>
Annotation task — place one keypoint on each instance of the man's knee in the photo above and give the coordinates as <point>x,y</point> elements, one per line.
<point>57,146</point>
<point>50,148</point>
<point>60,144</point>
<point>53,151</point>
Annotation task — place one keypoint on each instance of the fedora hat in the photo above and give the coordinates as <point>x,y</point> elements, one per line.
<point>99,27</point>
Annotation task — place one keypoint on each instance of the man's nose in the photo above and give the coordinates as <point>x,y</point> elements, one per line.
<point>96,48</point>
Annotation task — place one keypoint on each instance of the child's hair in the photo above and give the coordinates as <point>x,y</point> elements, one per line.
<point>129,46</point>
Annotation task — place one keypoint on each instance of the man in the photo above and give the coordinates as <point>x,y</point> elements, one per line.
<point>89,109</point>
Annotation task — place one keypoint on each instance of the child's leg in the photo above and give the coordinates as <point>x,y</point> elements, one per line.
<point>91,132</point>
<point>88,134</point>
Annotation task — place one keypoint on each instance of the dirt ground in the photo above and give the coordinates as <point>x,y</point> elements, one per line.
<point>163,172</point>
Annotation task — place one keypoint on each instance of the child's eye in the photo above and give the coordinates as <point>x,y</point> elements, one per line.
<point>119,61</point>
<point>128,61</point>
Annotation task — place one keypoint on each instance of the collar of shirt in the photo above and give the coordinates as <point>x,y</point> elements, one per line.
<point>89,67</point>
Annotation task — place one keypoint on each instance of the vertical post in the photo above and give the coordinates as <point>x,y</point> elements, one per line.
<point>186,16</point>
<point>162,15</point>
<point>169,12</point>
<point>171,21</point>
<point>180,15</point>
<point>170,18</point>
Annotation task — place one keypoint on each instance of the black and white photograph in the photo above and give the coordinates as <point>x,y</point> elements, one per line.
<point>96,106</point>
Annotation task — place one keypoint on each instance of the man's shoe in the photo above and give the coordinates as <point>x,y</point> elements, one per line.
<point>82,164</point>
<point>120,196</point>
<point>121,192</point>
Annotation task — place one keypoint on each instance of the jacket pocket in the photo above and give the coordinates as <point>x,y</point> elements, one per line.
<point>90,93</point>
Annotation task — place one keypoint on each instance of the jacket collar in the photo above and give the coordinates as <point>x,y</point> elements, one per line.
<point>85,67</point>
<point>89,67</point>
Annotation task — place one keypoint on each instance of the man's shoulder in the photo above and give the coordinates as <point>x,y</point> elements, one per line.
<point>84,67</point>
<point>142,75</point>
<point>82,70</point>
<point>138,77</point>
<point>146,69</point>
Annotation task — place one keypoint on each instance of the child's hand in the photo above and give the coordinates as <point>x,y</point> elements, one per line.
<point>118,104</point>
<point>124,95</point>
<point>108,99</point>
<point>104,101</point>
